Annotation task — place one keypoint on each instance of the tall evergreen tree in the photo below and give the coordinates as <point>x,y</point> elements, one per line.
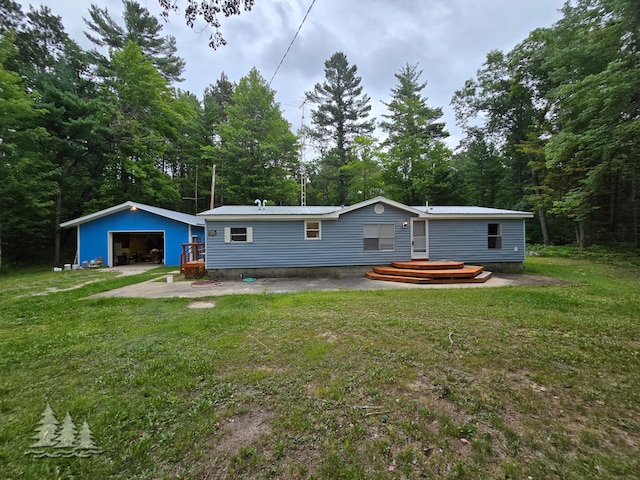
<point>11,16</point>
<point>26,186</point>
<point>144,118</point>
<point>140,27</point>
<point>415,168</point>
<point>215,100</point>
<point>483,172</point>
<point>341,114</point>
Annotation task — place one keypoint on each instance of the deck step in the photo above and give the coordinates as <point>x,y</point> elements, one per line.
<point>468,271</point>
<point>425,272</point>
<point>428,265</point>
<point>481,278</point>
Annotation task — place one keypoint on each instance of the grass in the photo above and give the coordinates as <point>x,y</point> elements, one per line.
<point>515,382</point>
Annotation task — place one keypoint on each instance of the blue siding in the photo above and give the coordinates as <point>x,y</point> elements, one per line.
<point>466,240</point>
<point>94,235</point>
<point>282,243</point>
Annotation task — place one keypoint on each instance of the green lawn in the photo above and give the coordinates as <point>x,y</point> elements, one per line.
<point>517,382</point>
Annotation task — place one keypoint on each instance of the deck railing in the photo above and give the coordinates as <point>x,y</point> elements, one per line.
<point>192,253</point>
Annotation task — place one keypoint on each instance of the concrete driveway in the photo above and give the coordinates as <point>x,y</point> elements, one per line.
<point>178,287</point>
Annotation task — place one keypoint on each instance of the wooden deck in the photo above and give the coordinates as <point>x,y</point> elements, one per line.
<point>192,260</point>
<point>425,272</point>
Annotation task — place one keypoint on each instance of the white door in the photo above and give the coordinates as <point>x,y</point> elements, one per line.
<point>419,244</point>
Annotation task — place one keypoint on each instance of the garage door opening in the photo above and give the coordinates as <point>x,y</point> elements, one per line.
<point>129,247</point>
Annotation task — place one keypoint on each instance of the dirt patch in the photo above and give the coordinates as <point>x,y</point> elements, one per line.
<point>530,280</point>
<point>206,283</point>
<point>330,337</point>
<point>243,431</point>
<point>57,290</point>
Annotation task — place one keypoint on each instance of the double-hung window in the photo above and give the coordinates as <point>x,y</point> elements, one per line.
<point>494,236</point>
<point>238,235</point>
<point>379,237</point>
<point>312,230</point>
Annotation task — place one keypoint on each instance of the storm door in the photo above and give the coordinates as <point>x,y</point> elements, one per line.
<point>419,245</point>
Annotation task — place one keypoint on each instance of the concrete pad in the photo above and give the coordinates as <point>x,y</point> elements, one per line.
<point>134,268</point>
<point>195,289</point>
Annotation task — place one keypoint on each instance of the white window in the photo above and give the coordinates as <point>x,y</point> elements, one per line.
<point>312,230</point>
<point>380,237</point>
<point>494,236</point>
<point>238,234</point>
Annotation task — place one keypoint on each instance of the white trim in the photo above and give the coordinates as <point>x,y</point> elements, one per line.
<point>110,233</point>
<point>306,230</point>
<point>162,212</point>
<point>476,216</point>
<point>378,236</point>
<point>267,217</point>
<point>270,213</point>
<point>79,253</point>
<point>375,200</point>
<point>420,255</point>
<point>227,235</point>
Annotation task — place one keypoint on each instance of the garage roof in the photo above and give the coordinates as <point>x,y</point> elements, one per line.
<point>162,212</point>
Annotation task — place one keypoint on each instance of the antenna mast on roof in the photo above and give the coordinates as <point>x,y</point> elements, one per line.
<point>194,198</point>
<point>303,170</point>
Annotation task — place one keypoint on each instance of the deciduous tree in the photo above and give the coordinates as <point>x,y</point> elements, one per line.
<point>257,152</point>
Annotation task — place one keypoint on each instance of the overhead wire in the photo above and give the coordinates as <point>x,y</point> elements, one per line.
<point>292,40</point>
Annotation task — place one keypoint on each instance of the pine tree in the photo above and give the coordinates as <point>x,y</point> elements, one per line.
<point>67,433</point>
<point>86,445</point>
<point>416,168</point>
<point>140,27</point>
<point>48,425</point>
<point>342,114</point>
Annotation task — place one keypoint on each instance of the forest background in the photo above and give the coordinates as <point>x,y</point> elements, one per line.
<point>551,126</point>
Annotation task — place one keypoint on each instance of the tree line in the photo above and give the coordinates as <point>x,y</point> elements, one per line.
<point>551,126</point>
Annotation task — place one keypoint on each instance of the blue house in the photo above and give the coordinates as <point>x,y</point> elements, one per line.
<point>134,232</point>
<point>323,240</point>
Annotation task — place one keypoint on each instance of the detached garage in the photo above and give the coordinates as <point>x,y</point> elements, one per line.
<point>134,232</point>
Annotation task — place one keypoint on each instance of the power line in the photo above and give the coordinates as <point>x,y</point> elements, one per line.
<point>292,40</point>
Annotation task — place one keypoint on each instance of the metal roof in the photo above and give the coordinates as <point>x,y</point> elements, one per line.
<point>162,212</point>
<point>255,212</point>
<point>470,211</point>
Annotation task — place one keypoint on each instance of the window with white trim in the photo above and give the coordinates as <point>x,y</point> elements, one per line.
<point>238,234</point>
<point>312,230</point>
<point>379,237</point>
<point>494,236</point>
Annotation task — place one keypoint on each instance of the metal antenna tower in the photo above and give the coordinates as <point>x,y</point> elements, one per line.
<point>303,170</point>
<point>194,198</point>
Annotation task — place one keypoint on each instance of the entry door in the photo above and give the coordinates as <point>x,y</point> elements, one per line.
<point>419,246</point>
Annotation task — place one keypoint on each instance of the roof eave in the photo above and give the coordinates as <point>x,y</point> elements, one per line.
<point>479,216</point>
<point>120,208</point>
<point>270,217</point>
<point>379,199</point>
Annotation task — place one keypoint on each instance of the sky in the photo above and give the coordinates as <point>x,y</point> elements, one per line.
<point>448,39</point>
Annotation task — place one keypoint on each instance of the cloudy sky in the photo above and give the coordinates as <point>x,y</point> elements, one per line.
<point>449,39</point>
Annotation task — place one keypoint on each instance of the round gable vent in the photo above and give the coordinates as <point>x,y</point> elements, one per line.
<point>379,208</point>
